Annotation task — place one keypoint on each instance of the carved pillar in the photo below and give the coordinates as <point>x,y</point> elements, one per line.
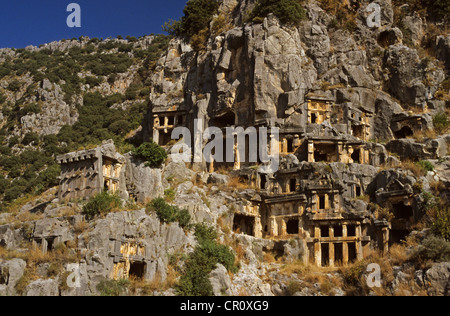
<point>358,243</point>
<point>237,155</point>
<point>317,247</point>
<point>273,226</point>
<point>339,155</point>
<point>385,232</point>
<point>344,253</point>
<point>257,228</point>
<point>331,254</point>
<point>296,143</point>
<point>156,123</point>
<point>311,151</point>
<point>283,227</point>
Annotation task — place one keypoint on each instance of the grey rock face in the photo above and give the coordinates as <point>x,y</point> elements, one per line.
<point>10,273</point>
<point>220,281</point>
<point>437,279</point>
<point>159,241</point>
<point>443,49</point>
<point>142,182</point>
<point>42,288</point>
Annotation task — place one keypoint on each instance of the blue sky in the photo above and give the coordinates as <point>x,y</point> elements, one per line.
<point>35,22</point>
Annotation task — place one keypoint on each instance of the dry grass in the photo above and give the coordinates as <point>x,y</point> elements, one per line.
<point>34,256</point>
<point>237,183</point>
<point>147,288</point>
<point>422,135</point>
<point>80,227</point>
<point>269,257</point>
<point>416,169</point>
<point>311,274</point>
<point>398,254</point>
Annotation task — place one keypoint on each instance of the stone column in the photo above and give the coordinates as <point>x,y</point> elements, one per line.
<point>211,163</point>
<point>257,228</point>
<point>166,123</point>
<point>284,146</point>
<point>327,202</point>
<point>331,254</point>
<point>237,155</point>
<point>296,143</point>
<point>317,247</point>
<point>358,243</point>
<point>311,151</point>
<point>344,253</point>
<point>344,246</point>
<point>273,226</point>
<point>283,227</point>
<point>339,149</point>
<point>385,232</point>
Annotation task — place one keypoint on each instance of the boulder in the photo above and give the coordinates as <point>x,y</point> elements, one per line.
<point>218,179</point>
<point>220,281</point>
<point>443,49</point>
<point>437,279</point>
<point>142,182</point>
<point>10,273</point>
<point>42,288</point>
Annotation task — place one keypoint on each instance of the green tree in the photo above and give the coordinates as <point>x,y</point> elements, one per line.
<point>197,16</point>
<point>152,153</point>
<point>101,203</point>
<point>440,122</point>
<point>208,253</point>
<point>168,213</point>
<point>288,11</point>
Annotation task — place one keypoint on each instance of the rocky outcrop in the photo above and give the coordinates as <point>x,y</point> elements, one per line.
<point>437,279</point>
<point>407,148</point>
<point>10,273</point>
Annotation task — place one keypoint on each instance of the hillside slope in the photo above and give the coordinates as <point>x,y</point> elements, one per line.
<point>236,63</point>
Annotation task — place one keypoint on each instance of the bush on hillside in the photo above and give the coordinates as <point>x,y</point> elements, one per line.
<point>287,11</point>
<point>169,213</point>
<point>101,203</point>
<point>152,153</point>
<point>197,16</point>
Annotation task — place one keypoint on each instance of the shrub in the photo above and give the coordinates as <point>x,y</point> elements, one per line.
<point>93,81</point>
<point>169,194</point>
<point>4,183</point>
<point>101,203</point>
<point>30,108</point>
<point>197,16</point>
<point>426,165</point>
<point>30,138</point>
<point>204,232</point>
<point>168,213</point>
<point>152,153</point>
<point>2,98</point>
<point>112,287</point>
<point>440,122</point>
<point>14,85</point>
<point>441,224</point>
<point>288,11</point>
<point>12,193</point>
<point>184,218</point>
<point>437,9</point>
<point>432,248</point>
<point>205,257</point>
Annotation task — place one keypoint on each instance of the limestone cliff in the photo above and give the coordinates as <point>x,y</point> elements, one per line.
<point>364,171</point>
